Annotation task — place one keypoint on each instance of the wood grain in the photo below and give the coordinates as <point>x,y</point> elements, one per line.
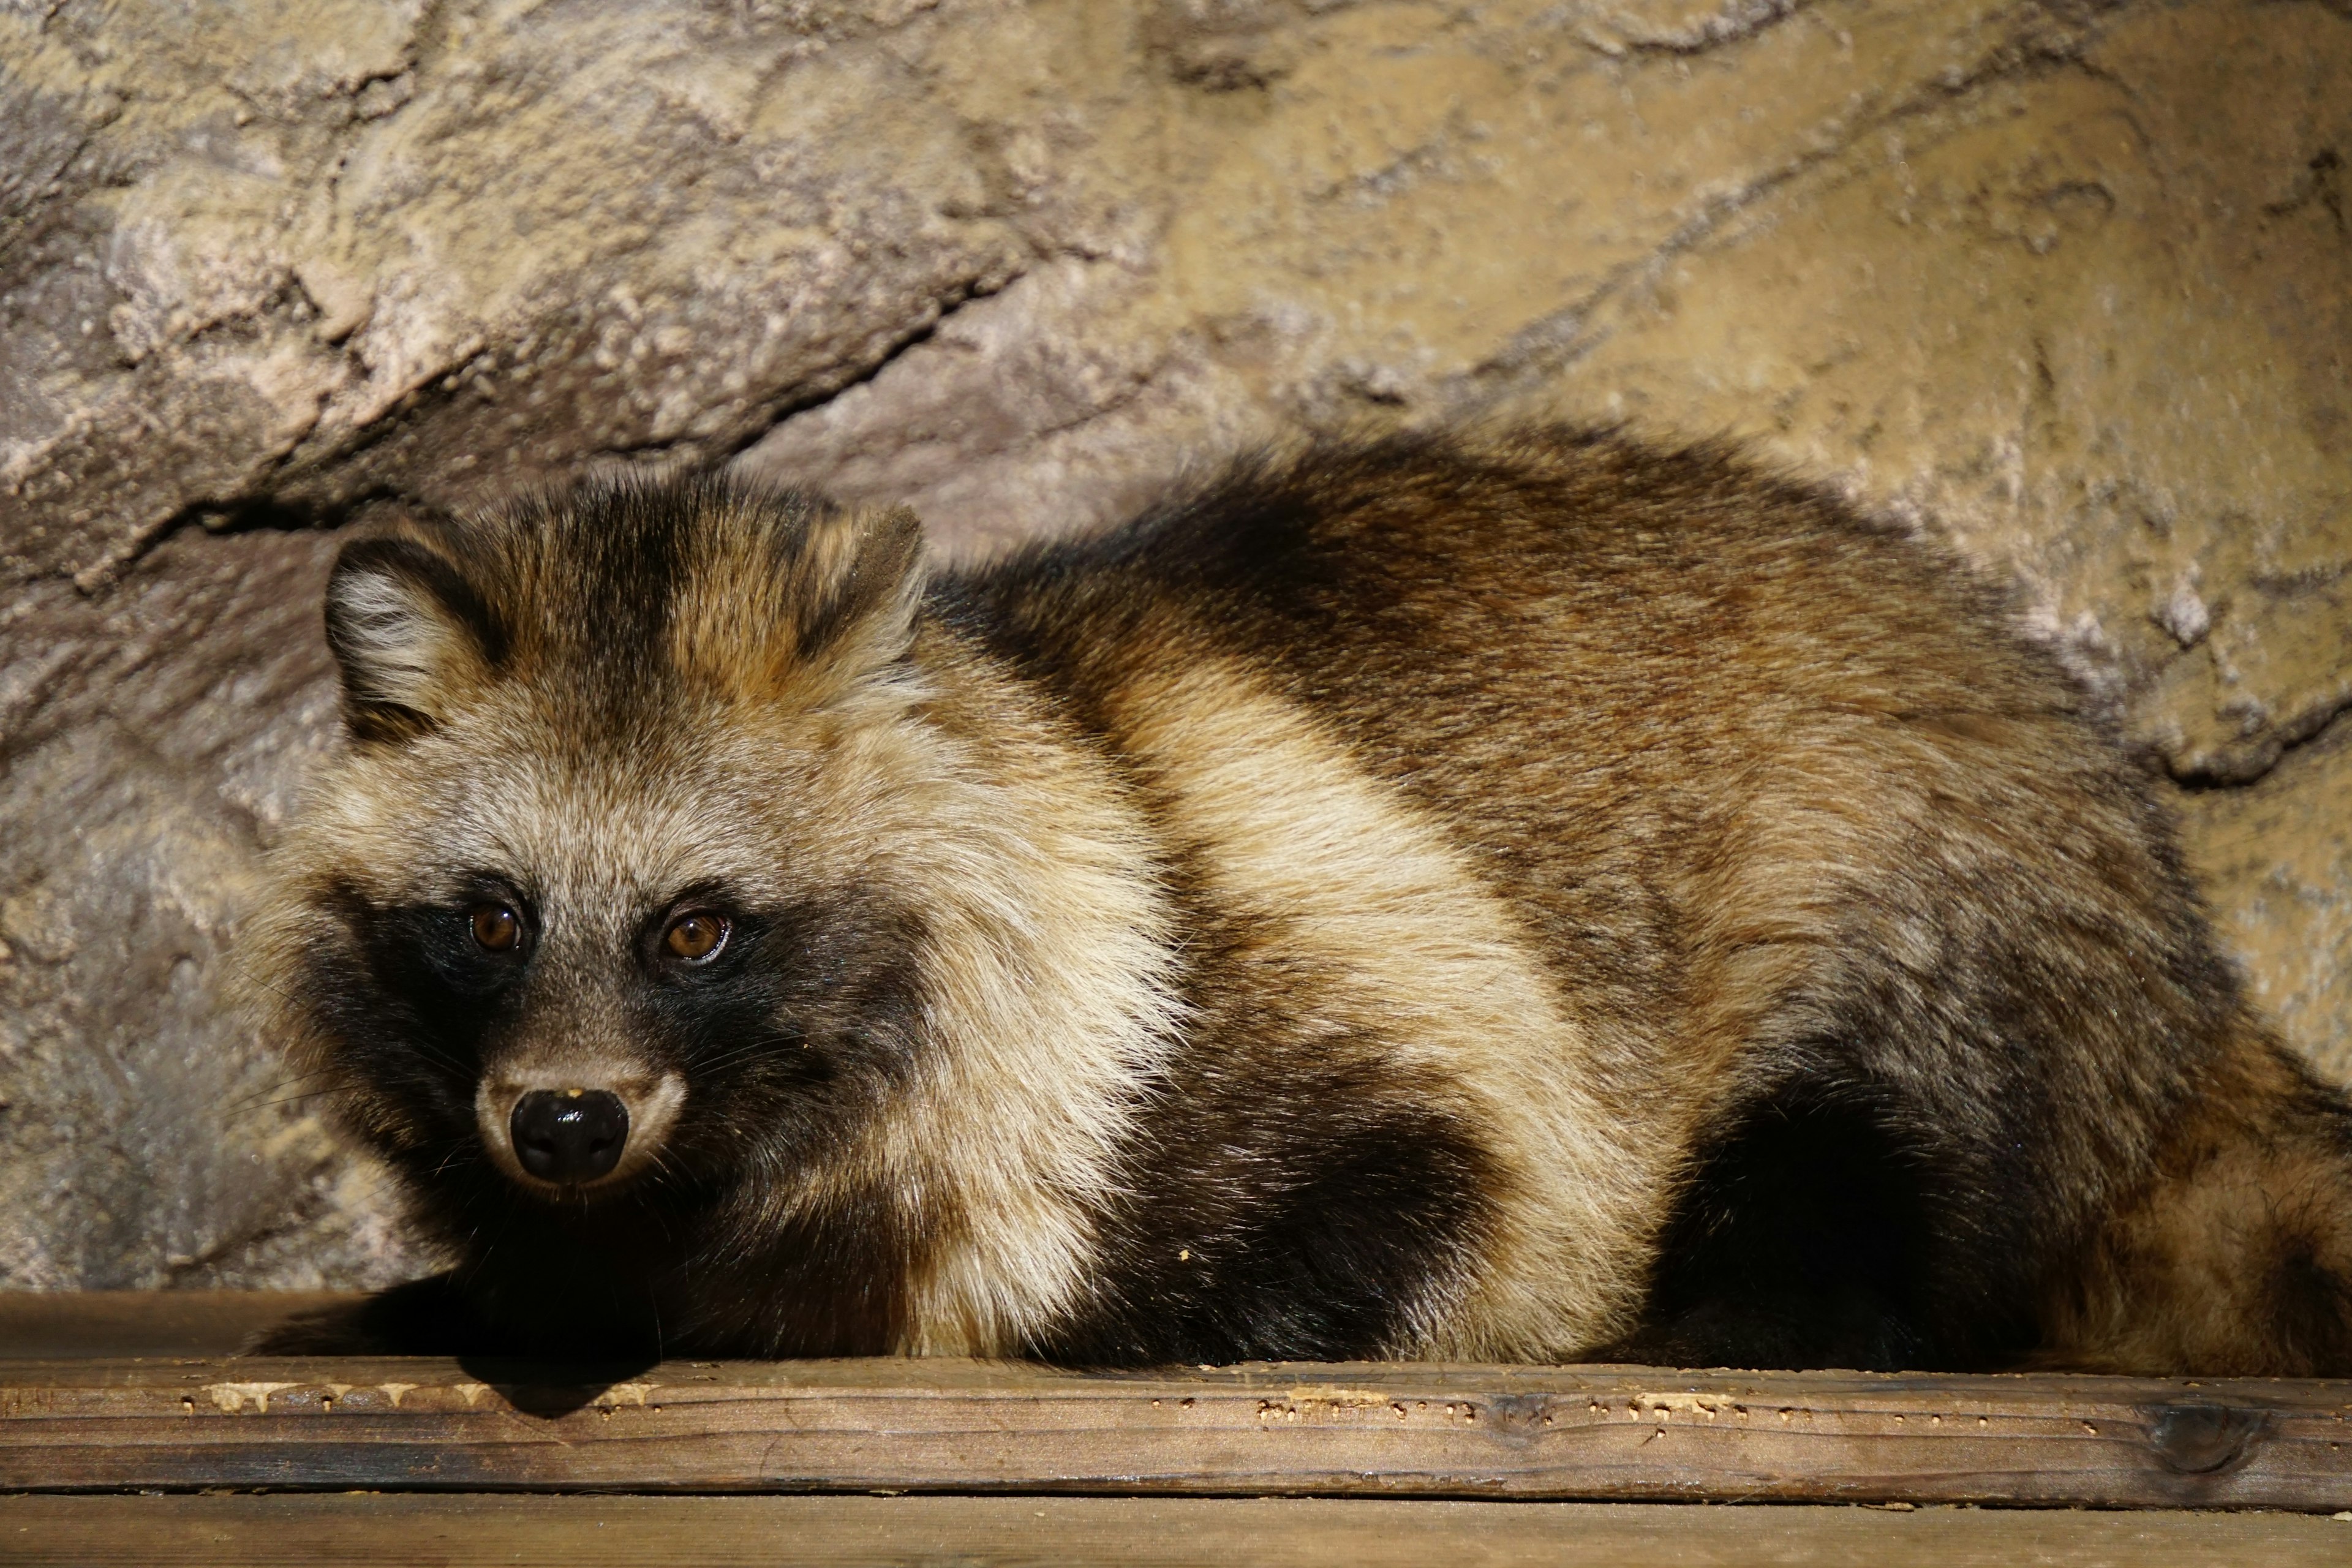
<point>1018,1532</point>
<point>56,1324</point>
<point>1378,1430</point>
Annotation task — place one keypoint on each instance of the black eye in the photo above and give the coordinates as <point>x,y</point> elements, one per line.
<point>496,926</point>
<point>696,936</point>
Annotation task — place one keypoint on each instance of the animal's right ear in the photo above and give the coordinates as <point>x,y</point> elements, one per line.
<point>411,636</point>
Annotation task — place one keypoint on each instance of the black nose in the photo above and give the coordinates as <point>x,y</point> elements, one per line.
<point>569,1134</point>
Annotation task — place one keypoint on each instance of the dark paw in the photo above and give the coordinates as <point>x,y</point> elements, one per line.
<point>1795,1335</point>
<point>424,1317</point>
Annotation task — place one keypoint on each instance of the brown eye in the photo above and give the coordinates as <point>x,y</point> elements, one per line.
<point>696,936</point>
<point>497,927</point>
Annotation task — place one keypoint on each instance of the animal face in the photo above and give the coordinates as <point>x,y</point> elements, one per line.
<point>615,878</point>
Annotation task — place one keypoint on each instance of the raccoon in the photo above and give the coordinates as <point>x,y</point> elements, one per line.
<point>1532,896</point>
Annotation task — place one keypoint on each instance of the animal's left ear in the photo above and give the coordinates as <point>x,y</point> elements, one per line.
<point>856,585</point>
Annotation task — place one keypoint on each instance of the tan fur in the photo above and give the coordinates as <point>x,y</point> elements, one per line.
<point>1348,881</point>
<point>2248,1202</point>
<point>1010,1145</point>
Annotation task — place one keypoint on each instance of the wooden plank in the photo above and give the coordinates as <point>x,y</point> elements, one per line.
<point>1373,1429</point>
<point>1014,1532</point>
<point>53,1324</point>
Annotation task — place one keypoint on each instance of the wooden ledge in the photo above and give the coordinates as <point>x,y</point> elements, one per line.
<point>410,1530</point>
<point>51,1325</point>
<point>1393,1430</point>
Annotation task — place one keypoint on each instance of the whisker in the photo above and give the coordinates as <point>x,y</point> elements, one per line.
<point>272,1096</point>
<point>770,1045</point>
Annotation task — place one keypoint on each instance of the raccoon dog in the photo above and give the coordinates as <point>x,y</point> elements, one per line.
<point>1529,897</point>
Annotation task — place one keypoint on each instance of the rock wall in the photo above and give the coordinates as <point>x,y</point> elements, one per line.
<point>2072,281</point>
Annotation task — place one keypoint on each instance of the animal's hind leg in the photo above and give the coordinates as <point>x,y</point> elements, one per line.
<point>2236,1256</point>
<point>1805,1239</point>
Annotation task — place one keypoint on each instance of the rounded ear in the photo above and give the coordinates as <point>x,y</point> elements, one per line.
<point>410,634</point>
<point>859,580</point>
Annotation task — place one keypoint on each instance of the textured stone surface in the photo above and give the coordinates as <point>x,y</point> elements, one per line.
<point>312,252</point>
<point>153,739</point>
<point>2072,281</point>
<point>2276,857</point>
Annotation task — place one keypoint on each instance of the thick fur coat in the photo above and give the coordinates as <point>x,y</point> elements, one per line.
<point>1533,897</point>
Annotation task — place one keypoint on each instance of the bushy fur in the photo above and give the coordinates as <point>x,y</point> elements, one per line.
<point>1528,898</point>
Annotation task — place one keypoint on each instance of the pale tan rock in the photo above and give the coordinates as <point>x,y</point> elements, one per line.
<point>2072,283</point>
<point>2098,321</point>
<point>2276,857</point>
<point>536,235</point>
<point>153,739</point>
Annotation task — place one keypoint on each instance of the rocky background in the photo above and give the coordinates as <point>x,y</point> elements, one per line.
<point>2071,280</point>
